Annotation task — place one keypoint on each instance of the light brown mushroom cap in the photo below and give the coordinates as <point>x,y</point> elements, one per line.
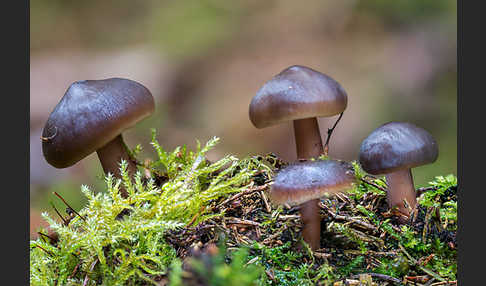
<point>305,181</point>
<point>90,114</point>
<point>297,92</point>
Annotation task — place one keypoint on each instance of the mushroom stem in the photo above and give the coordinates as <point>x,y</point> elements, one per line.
<point>309,145</point>
<point>110,157</point>
<point>400,188</point>
<point>311,221</point>
<point>308,138</point>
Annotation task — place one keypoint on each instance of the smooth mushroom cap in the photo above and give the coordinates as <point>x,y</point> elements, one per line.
<point>395,146</point>
<point>297,92</point>
<point>309,180</point>
<point>90,114</point>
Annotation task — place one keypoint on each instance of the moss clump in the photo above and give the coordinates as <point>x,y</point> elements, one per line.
<point>165,232</point>
<point>121,241</point>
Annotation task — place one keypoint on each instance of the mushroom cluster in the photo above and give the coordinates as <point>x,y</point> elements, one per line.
<point>301,94</point>
<point>92,115</point>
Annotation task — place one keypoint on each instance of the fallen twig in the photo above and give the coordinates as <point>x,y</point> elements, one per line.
<point>86,279</point>
<point>265,201</point>
<point>196,216</point>
<point>234,220</point>
<point>422,190</point>
<point>363,224</point>
<point>450,283</point>
<point>424,269</point>
<point>243,193</point>
<point>380,276</point>
<point>275,235</point>
<point>373,184</point>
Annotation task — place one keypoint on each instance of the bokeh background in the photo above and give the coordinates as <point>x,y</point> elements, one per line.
<point>204,60</point>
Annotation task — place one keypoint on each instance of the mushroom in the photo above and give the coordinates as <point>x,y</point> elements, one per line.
<point>302,182</point>
<point>299,94</point>
<point>393,149</point>
<point>90,117</point>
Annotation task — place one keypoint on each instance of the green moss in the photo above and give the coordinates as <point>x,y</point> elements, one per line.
<point>126,241</point>
<point>123,249</point>
<point>216,270</point>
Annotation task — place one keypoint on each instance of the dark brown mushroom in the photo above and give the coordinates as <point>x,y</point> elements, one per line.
<point>299,94</point>
<point>90,117</point>
<point>393,149</point>
<point>307,181</point>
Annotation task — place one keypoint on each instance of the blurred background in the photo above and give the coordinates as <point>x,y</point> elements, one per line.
<point>204,60</point>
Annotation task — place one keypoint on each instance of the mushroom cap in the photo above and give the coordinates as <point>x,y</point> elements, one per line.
<point>297,92</point>
<point>305,181</point>
<point>395,146</point>
<point>90,114</point>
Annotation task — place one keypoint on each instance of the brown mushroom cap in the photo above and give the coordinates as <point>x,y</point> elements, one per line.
<point>297,92</point>
<point>395,146</point>
<point>90,114</point>
<point>305,181</point>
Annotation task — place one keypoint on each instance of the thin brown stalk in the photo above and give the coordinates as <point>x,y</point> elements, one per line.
<point>69,206</point>
<point>329,133</point>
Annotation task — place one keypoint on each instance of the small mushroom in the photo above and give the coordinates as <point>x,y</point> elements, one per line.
<point>299,94</point>
<point>302,182</point>
<point>90,117</point>
<point>393,149</point>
